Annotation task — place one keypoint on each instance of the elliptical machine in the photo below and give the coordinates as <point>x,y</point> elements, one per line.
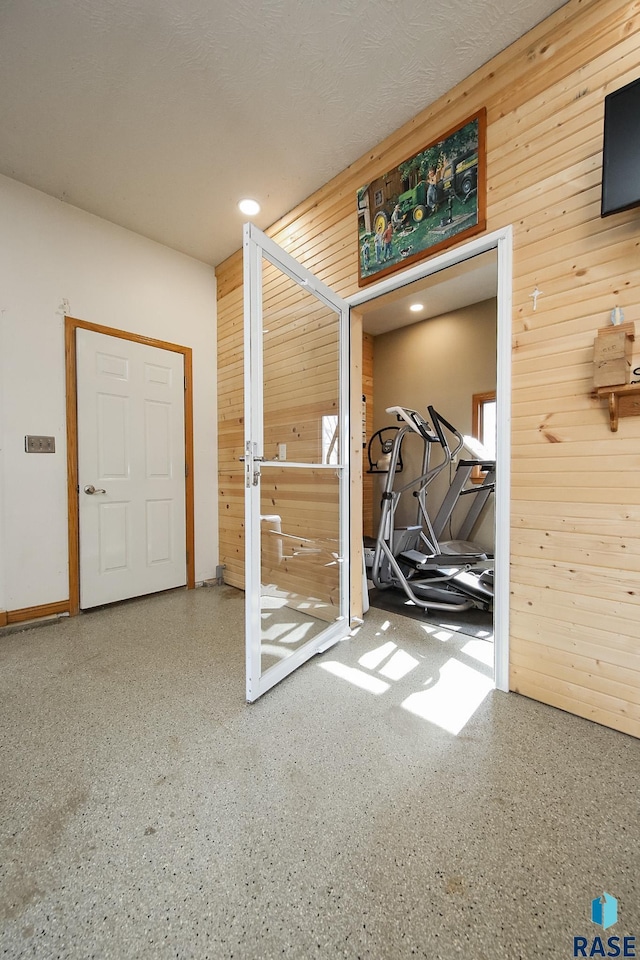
<point>436,574</point>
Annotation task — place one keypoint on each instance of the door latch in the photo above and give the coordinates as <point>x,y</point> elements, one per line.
<point>256,471</point>
<point>251,474</point>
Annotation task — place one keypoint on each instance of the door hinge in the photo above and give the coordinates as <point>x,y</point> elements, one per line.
<point>187,555</point>
<point>186,469</point>
<point>185,383</point>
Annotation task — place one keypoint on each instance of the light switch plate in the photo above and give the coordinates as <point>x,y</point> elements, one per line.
<point>40,444</point>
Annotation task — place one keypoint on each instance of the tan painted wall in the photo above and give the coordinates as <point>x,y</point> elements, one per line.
<point>575,499</point>
<point>442,361</point>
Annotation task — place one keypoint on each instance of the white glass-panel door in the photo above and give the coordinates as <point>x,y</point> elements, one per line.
<point>296,464</point>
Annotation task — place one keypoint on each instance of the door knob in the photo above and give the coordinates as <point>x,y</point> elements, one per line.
<point>91,489</point>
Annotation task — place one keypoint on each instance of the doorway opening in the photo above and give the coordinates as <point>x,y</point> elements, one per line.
<point>453,351</point>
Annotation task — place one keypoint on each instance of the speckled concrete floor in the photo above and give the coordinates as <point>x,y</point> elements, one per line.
<point>148,812</point>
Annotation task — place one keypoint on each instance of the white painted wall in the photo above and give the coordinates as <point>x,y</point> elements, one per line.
<point>54,259</point>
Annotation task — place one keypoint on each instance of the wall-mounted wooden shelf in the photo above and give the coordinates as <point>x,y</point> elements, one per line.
<point>624,401</point>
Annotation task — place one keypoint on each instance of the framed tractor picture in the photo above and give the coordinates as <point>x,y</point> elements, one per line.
<point>429,202</point>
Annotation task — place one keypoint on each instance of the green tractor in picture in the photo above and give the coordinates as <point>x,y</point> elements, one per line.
<point>413,204</point>
<point>456,178</point>
<point>413,209</point>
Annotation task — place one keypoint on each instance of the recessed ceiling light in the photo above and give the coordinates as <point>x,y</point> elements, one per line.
<point>416,307</point>
<point>250,207</point>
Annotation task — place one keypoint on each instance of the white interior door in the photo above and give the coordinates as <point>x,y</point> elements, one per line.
<point>131,468</point>
<point>296,464</point>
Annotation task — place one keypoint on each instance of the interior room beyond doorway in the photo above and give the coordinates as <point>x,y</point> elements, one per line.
<point>432,342</point>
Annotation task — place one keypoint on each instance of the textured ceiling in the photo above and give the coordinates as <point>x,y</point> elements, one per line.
<point>159,115</point>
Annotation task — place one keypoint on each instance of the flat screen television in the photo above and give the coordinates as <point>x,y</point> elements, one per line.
<point>621,152</point>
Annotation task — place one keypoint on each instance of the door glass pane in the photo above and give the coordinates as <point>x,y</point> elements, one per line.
<point>301,362</point>
<point>300,549</point>
<point>300,553</point>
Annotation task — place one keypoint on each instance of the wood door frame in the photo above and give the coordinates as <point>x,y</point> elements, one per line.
<point>71,324</point>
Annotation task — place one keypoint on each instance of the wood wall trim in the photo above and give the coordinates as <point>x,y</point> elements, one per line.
<point>189,460</point>
<point>74,324</point>
<point>3,618</point>
<point>73,522</point>
<point>71,325</point>
<point>355,479</point>
<point>35,613</point>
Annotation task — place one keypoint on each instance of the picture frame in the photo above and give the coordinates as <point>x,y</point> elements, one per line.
<point>430,201</point>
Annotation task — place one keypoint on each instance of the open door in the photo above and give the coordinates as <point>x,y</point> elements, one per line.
<point>296,464</point>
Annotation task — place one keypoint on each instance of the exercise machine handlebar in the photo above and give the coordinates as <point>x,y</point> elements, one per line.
<point>439,422</point>
<point>416,421</point>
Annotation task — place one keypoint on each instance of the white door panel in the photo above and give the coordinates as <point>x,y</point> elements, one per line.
<point>131,450</point>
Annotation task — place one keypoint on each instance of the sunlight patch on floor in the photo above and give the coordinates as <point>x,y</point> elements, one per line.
<point>374,658</point>
<point>357,677</point>
<point>270,650</point>
<point>400,664</point>
<point>286,632</point>
<point>453,699</point>
<point>436,632</point>
<point>267,602</point>
<point>448,697</point>
<point>480,650</point>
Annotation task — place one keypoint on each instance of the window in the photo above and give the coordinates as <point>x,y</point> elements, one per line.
<point>378,198</point>
<point>484,427</point>
<point>330,439</point>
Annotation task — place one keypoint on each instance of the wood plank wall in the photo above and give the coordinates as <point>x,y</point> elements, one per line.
<point>575,498</point>
<point>300,533</point>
